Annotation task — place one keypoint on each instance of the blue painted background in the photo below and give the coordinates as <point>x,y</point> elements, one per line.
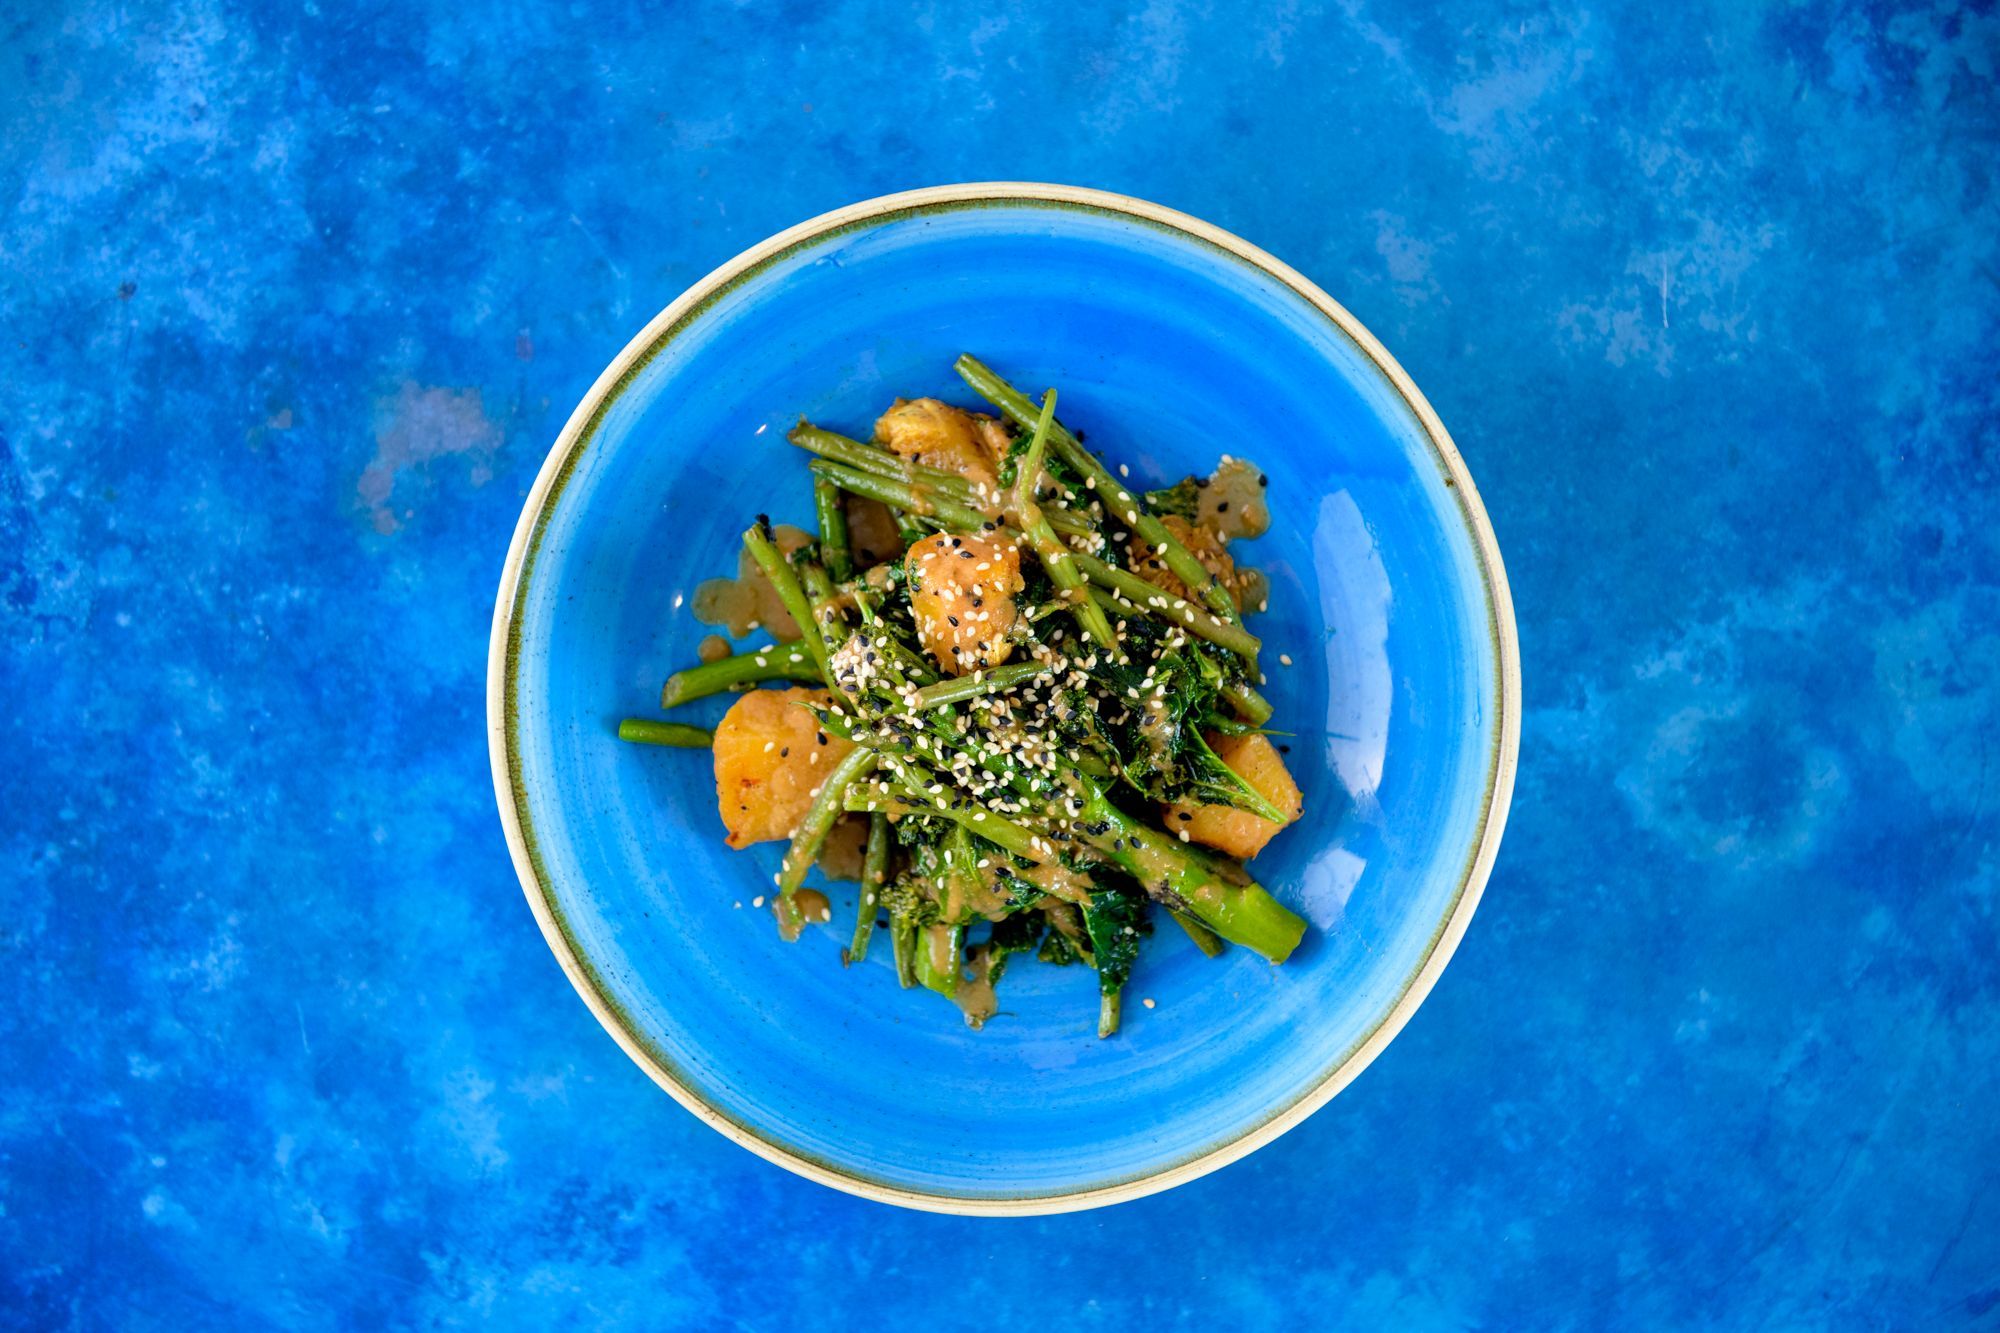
<point>296,297</point>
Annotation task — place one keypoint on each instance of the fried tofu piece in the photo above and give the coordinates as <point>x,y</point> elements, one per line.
<point>769,756</point>
<point>1238,832</point>
<point>962,591</point>
<point>942,436</point>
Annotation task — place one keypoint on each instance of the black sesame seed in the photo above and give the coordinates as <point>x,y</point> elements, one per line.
<point>1222,508</point>
<point>1263,480</point>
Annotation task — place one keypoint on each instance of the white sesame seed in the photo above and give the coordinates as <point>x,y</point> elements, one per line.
<point>1285,658</point>
<point>1124,471</point>
<point>758,901</point>
<point>1184,835</point>
<point>1148,1002</point>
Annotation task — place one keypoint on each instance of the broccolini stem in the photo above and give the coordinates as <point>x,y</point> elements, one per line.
<point>646,731</point>
<point>896,798</point>
<point>874,867</point>
<point>1256,709</point>
<point>1204,939</point>
<point>920,477</point>
<point>1028,472</point>
<point>1245,915</point>
<point>811,833</point>
<point>901,495</point>
<point>780,661</point>
<point>757,541</point>
<point>1058,561</point>
<point>818,584</point>
<point>834,547</point>
<point>941,958</point>
<point>903,945</point>
<point>1120,501</point>
<point>991,681</point>
<point>1163,605</point>
<point>1110,1007</point>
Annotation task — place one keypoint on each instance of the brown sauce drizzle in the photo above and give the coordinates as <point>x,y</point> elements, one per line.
<point>1233,503</point>
<point>748,600</point>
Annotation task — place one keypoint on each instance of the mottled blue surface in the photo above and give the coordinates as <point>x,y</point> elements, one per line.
<point>295,300</point>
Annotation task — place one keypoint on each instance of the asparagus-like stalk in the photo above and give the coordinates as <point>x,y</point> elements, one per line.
<point>1204,939</point>
<point>835,549</point>
<point>817,581</point>
<point>1056,557</point>
<point>1119,499</point>
<point>1110,1007</point>
<point>1242,914</point>
<point>757,541</point>
<point>874,868</point>
<point>811,833</point>
<point>901,495</point>
<point>903,946</point>
<point>940,958</point>
<point>990,681</point>
<point>1163,605</point>
<point>895,798</point>
<point>921,478</point>
<point>646,731</point>
<point>779,661</point>
<point>1256,709</point>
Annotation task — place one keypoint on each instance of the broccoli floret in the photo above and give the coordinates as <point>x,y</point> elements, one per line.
<point>1183,498</point>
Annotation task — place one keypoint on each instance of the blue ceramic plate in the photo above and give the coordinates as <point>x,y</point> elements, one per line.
<point>1171,343</point>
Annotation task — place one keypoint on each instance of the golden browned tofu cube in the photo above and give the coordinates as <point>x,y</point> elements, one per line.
<point>962,591</point>
<point>770,756</point>
<point>1224,827</point>
<point>941,436</point>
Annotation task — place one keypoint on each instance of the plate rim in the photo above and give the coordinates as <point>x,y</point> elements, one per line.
<point>504,649</point>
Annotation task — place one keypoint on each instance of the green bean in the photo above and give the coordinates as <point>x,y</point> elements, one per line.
<point>835,548</point>
<point>811,833</point>
<point>817,581</point>
<point>1162,605</point>
<point>899,799</point>
<point>1058,561</point>
<point>646,731</point>
<point>778,661</point>
<point>1110,1008</point>
<point>874,868</point>
<point>903,945</point>
<point>920,477</point>
<point>901,495</point>
<point>757,541</point>
<point>978,683</point>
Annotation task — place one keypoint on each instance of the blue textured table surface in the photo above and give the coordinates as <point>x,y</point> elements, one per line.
<point>295,302</point>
